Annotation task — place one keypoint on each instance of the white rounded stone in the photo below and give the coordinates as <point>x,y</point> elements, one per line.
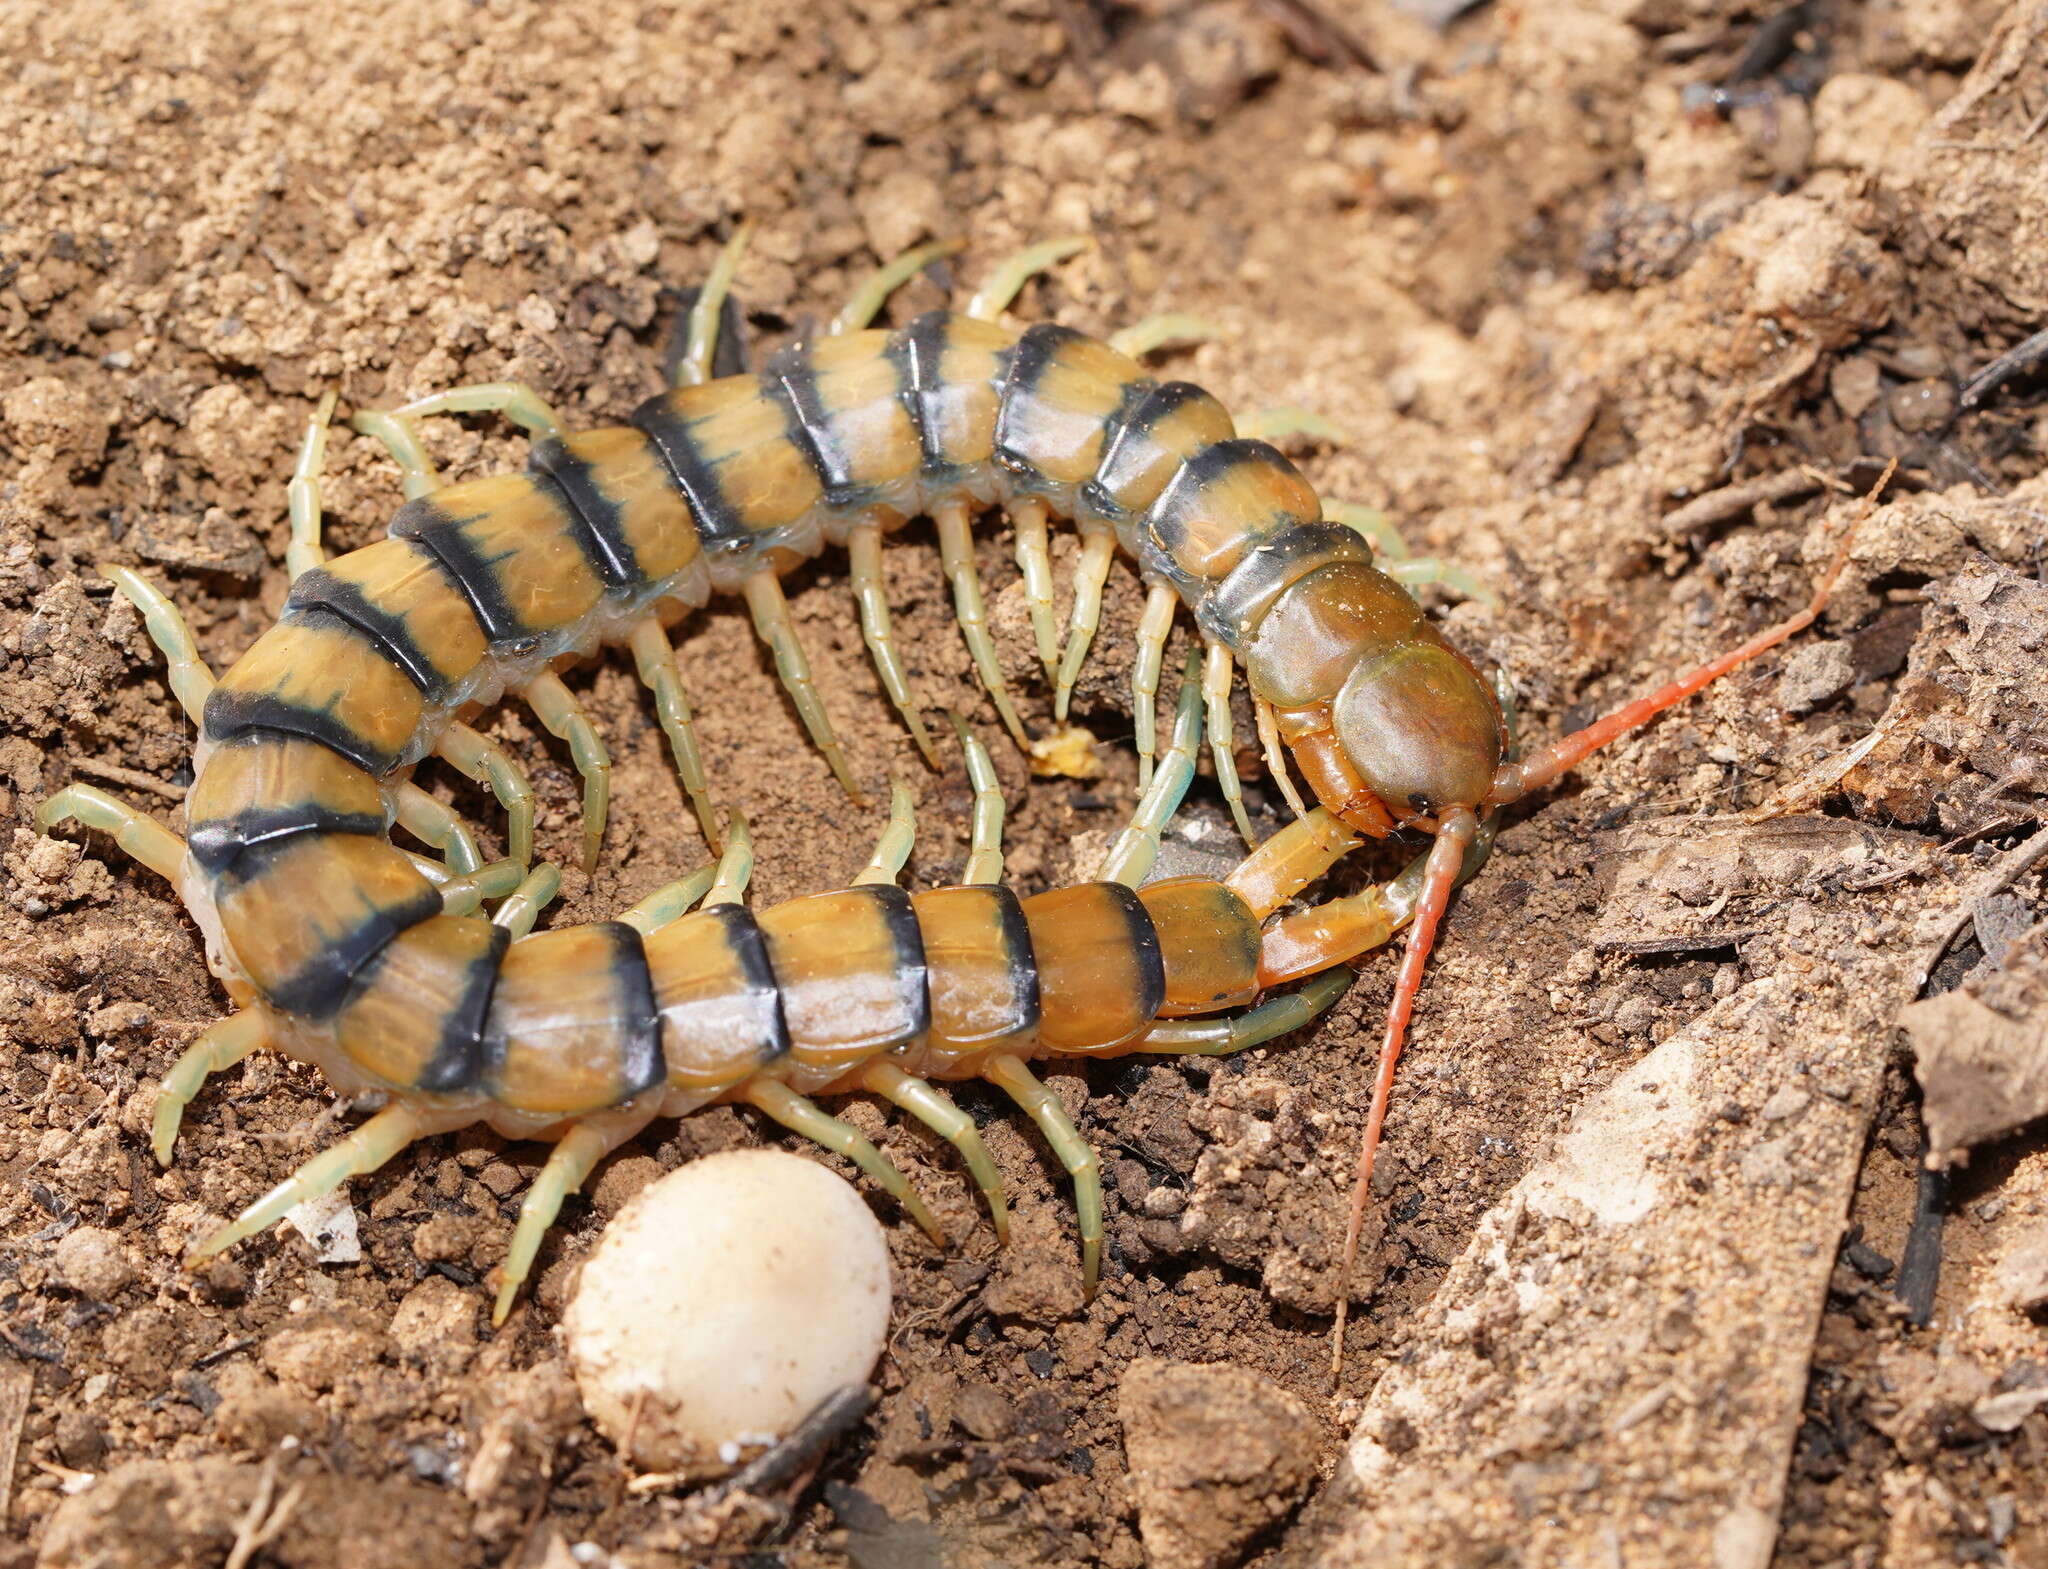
<point>725,1301</point>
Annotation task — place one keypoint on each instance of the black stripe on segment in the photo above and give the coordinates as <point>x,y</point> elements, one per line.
<point>596,522</point>
<point>919,354</point>
<point>322,984</point>
<point>229,714</point>
<point>809,424</point>
<point>1144,937</point>
<point>1233,608</point>
<point>321,590</point>
<point>641,1062</point>
<point>743,940</point>
<point>236,848</point>
<point>913,974</point>
<point>458,1061</point>
<point>719,522</point>
<point>1034,355</point>
<point>1130,408</point>
<point>439,538</point>
<point>1135,422</point>
<point>1023,958</point>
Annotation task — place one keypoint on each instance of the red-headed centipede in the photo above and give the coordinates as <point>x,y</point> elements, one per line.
<point>367,961</point>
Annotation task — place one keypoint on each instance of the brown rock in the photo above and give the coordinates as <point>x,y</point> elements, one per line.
<point>1217,1454</point>
<point>318,1354</point>
<point>92,1262</point>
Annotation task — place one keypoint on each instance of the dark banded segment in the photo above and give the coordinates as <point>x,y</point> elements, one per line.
<point>415,1016</point>
<point>263,788</point>
<point>1231,611</point>
<point>319,677</point>
<point>1168,425</point>
<point>597,521</point>
<point>851,965</point>
<point>718,521</point>
<point>953,368</point>
<point>320,592</point>
<point>719,1005</point>
<point>1061,395</point>
<point>1221,503</point>
<point>424,524</point>
<point>795,389</point>
<point>1101,978</point>
<point>732,453</point>
<point>639,1020</point>
<point>1208,944</point>
<point>318,909</point>
<point>235,848</point>
<point>457,1062</point>
<point>572,1025</point>
<point>981,974</point>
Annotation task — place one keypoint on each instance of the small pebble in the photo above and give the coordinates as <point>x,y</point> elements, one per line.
<point>92,1262</point>
<point>1788,1100</point>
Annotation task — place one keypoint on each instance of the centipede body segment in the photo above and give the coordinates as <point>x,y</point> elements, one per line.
<point>377,966</point>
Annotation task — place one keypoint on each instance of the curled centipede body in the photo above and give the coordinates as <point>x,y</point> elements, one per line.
<point>374,965</point>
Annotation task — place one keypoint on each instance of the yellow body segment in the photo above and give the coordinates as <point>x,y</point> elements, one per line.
<point>1208,945</point>
<point>1099,978</point>
<point>335,677</point>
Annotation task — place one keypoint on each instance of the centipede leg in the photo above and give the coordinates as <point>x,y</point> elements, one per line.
<point>362,1152</point>
<point>956,556</point>
<point>190,679</point>
<point>416,472</point>
<point>522,907</point>
<point>1009,1074</point>
<point>805,1117</point>
<point>432,822</point>
<point>1417,570</point>
<point>1254,1027</point>
<point>1154,627</point>
<point>1276,755</point>
<point>870,592</point>
<point>555,706</point>
<point>655,658</point>
<point>481,759</point>
<point>1284,420</point>
<point>861,306</point>
<point>1130,859</point>
<point>142,838</point>
<point>898,838</point>
<point>932,1108</point>
<point>1098,549</point>
<point>1156,332</point>
<point>1371,524</point>
<point>774,627</point>
<point>1013,272</point>
<point>1028,516</point>
<point>221,1046</point>
<point>463,893</point>
<point>1290,860</point>
<point>735,864</point>
<point>700,334</point>
<point>302,494</point>
<point>985,841</point>
<point>569,1165</point>
<point>518,402</point>
<point>1217,669</point>
<point>668,903</point>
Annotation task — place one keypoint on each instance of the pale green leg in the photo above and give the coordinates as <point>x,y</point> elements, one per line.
<point>701,338</point>
<point>1098,549</point>
<point>668,903</point>
<point>1418,570</point>
<point>1130,859</point>
<point>1154,627</point>
<point>362,1152</point>
<point>1217,670</point>
<point>555,706</point>
<point>1012,273</point>
<point>774,627</point>
<point>870,592</point>
<point>464,893</point>
<point>518,402</point>
<point>735,865</point>
<point>805,1117</point>
<point>893,849</point>
<point>1254,1027</point>
<point>477,757</point>
<point>1370,522</point>
<point>1029,519</point>
<point>416,471</point>
<point>191,682</point>
<point>569,1164</point>
<point>221,1046</point>
<point>1010,1075</point>
<point>523,905</point>
<point>937,1112</point>
<point>1276,754</point>
<point>985,840</point>
<point>655,658</point>
<point>143,838</point>
<point>956,556</point>
<point>1275,423</point>
<point>1156,332</point>
<point>885,281</point>
<point>302,495</point>
<point>431,822</point>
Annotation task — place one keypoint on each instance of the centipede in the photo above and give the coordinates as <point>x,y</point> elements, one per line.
<point>379,967</point>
